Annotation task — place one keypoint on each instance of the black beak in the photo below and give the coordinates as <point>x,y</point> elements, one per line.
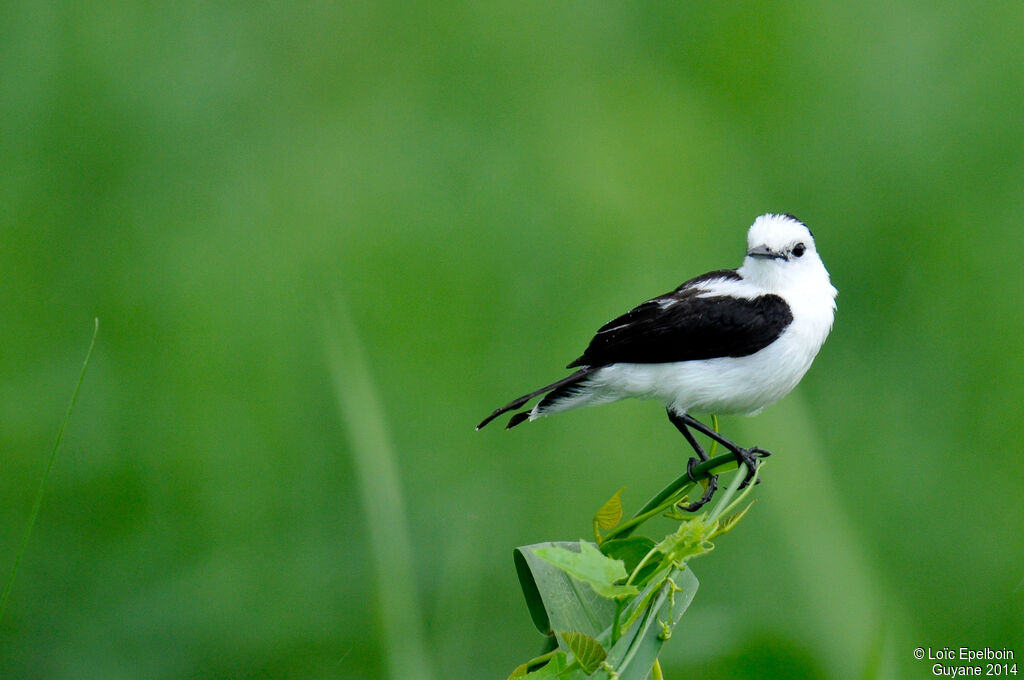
<point>766,253</point>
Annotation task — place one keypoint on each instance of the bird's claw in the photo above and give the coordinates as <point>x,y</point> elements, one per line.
<point>708,493</point>
<point>749,458</point>
<point>689,468</point>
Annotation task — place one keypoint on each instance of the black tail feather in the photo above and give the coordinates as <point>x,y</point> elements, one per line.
<point>516,419</point>
<point>520,417</point>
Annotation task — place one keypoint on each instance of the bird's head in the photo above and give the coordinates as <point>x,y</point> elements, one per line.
<point>781,253</point>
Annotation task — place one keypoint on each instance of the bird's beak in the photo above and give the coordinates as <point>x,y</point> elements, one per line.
<point>764,252</point>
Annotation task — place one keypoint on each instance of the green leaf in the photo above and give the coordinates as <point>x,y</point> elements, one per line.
<point>588,652</point>
<point>630,550</point>
<point>590,566</point>
<point>610,514</point>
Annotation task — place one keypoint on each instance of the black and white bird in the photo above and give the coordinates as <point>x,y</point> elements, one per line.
<point>732,341</point>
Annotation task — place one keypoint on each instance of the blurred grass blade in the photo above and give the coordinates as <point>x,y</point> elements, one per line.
<point>380,490</point>
<point>41,490</point>
<point>846,592</point>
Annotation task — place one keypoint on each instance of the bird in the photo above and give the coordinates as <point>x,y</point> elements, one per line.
<point>731,341</point>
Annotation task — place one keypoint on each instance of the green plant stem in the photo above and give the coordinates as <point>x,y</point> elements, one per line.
<point>725,500</point>
<point>619,606</point>
<point>645,623</point>
<point>714,444</point>
<point>41,489</point>
<point>542,659</point>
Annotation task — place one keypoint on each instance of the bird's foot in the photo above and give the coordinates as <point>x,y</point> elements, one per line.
<point>708,492</point>
<point>750,458</point>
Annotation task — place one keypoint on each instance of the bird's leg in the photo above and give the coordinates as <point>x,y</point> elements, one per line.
<point>747,457</point>
<point>699,450</point>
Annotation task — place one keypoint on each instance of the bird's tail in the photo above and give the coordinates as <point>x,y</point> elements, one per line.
<point>556,387</point>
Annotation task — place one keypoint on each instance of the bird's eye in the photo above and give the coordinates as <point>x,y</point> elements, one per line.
<point>799,249</point>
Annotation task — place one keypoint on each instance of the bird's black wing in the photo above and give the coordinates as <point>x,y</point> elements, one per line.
<point>684,326</point>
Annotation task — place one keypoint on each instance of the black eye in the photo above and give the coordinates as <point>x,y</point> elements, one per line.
<point>799,249</point>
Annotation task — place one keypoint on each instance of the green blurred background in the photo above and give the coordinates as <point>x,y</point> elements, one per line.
<point>324,239</point>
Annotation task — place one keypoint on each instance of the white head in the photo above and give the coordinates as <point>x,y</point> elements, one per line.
<point>781,255</point>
